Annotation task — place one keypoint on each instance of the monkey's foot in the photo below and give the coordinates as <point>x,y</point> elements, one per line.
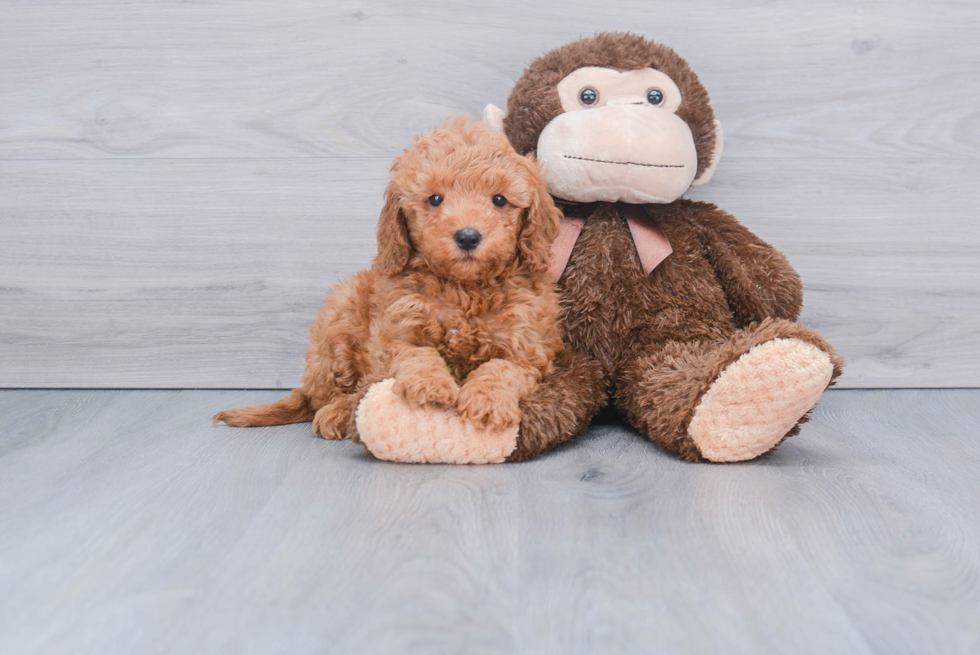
<point>758,399</point>
<point>393,430</point>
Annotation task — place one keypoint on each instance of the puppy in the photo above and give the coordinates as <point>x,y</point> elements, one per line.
<point>458,306</point>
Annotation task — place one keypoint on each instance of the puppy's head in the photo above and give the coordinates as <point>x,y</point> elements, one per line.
<point>465,205</point>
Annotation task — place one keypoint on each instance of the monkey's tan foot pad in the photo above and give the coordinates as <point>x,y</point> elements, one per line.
<point>758,398</point>
<point>393,430</point>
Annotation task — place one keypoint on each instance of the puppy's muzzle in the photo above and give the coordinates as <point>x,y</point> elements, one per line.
<point>467,238</point>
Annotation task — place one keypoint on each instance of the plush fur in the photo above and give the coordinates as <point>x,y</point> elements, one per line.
<point>755,401</point>
<point>534,101</point>
<point>660,342</point>
<point>471,330</point>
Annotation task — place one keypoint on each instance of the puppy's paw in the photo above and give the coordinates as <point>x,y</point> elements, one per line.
<point>435,391</point>
<point>331,420</point>
<point>488,407</point>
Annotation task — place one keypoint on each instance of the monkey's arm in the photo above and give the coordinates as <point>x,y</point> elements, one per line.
<point>758,279</point>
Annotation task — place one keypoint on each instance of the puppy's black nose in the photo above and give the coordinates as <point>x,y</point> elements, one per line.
<point>467,238</point>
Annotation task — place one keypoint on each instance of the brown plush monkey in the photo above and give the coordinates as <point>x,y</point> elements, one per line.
<point>671,309</point>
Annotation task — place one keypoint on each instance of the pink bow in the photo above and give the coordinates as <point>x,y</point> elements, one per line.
<point>651,243</point>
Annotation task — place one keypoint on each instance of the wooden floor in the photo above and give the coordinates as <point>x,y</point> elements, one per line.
<point>128,524</point>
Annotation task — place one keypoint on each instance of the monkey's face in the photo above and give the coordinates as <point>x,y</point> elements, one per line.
<point>614,117</point>
<point>618,138</point>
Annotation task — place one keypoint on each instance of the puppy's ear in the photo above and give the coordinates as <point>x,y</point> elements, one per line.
<point>541,224</point>
<point>393,244</point>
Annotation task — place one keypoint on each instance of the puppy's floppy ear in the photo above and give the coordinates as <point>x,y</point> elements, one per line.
<point>542,221</point>
<point>393,244</point>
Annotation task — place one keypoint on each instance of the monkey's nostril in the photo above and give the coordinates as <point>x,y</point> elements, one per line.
<point>467,238</point>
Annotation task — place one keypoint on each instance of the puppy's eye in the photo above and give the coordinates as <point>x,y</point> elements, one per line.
<point>499,200</point>
<point>655,97</point>
<point>588,96</point>
<point>435,200</point>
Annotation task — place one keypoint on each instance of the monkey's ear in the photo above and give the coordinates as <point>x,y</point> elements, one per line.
<point>393,244</point>
<point>494,116</point>
<point>706,174</point>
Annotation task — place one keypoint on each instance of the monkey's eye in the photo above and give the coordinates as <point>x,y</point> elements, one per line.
<point>588,96</point>
<point>499,200</point>
<point>655,97</point>
<point>435,200</point>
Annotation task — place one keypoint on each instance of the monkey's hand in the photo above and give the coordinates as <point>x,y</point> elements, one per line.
<point>392,429</point>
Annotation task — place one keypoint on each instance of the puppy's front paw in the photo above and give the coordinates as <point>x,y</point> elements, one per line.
<point>436,391</point>
<point>488,407</point>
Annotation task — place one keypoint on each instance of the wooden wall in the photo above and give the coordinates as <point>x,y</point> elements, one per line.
<point>180,182</point>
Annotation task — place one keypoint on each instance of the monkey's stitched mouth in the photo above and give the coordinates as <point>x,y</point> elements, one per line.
<point>626,163</point>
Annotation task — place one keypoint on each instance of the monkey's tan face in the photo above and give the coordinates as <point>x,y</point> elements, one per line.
<point>619,139</point>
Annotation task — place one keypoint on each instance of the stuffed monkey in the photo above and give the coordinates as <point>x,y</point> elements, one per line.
<point>670,308</point>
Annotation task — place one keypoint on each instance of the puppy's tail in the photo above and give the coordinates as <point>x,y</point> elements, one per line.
<point>292,409</point>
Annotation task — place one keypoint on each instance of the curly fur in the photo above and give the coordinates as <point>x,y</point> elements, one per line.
<point>473,330</point>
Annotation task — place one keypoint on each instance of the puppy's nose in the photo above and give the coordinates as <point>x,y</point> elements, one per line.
<point>467,238</point>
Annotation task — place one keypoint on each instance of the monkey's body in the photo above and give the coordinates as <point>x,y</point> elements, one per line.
<point>611,310</point>
<point>655,343</point>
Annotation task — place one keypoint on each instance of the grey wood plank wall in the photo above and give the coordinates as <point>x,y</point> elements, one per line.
<point>180,183</point>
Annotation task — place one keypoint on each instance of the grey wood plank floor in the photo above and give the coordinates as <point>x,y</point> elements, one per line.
<point>129,525</point>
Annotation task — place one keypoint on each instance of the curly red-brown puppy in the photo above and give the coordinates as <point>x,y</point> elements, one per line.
<point>458,307</point>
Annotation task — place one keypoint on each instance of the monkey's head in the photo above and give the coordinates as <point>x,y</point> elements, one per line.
<point>613,118</point>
